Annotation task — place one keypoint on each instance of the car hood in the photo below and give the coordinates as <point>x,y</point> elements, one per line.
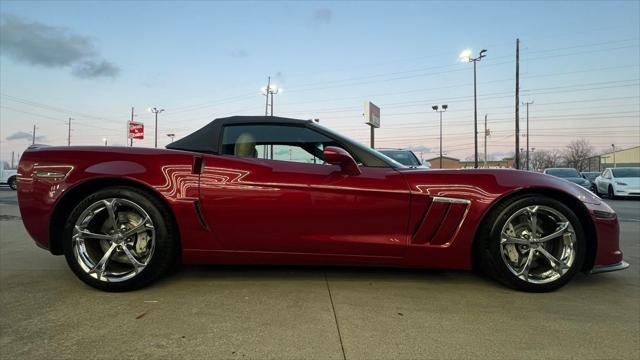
<point>630,181</point>
<point>576,180</point>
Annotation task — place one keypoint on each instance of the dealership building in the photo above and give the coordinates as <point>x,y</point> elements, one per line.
<point>618,158</point>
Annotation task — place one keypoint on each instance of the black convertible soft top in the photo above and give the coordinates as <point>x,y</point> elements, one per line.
<point>207,139</point>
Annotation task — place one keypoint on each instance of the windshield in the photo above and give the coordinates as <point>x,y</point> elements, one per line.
<point>626,172</point>
<point>563,173</point>
<point>590,175</point>
<point>376,158</point>
<point>404,157</point>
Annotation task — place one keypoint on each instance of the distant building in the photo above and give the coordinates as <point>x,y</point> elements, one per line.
<point>453,163</point>
<point>624,157</point>
<point>447,163</point>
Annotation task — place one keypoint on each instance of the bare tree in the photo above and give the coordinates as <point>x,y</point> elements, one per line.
<point>578,153</point>
<point>542,159</point>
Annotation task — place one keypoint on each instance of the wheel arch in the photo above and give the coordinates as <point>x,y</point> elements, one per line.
<point>573,203</point>
<point>74,195</point>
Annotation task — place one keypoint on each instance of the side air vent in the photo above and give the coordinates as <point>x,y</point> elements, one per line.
<point>441,221</point>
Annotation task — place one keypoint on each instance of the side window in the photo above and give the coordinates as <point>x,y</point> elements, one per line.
<point>275,142</point>
<point>606,174</point>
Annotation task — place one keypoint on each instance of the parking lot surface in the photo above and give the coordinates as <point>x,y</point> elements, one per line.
<point>311,313</point>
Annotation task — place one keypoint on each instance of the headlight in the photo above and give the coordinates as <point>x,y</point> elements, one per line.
<point>621,183</point>
<point>588,197</point>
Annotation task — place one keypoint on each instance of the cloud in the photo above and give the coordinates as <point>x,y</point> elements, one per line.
<point>22,135</point>
<point>38,44</point>
<point>91,69</point>
<point>239,53</point>
<point>322,16</point>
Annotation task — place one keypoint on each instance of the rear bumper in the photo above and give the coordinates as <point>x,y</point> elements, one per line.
<point>608,268</point>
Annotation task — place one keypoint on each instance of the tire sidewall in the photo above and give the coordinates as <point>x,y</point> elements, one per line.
<point>12,183</point>
<point>164,251</point>
<point>494,249</point>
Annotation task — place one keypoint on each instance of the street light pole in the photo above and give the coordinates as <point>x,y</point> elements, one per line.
<point>614,154</point>
<point>171,136</point>
<point>156,111</point>
<point>466,55</point>
<point>444,108</point>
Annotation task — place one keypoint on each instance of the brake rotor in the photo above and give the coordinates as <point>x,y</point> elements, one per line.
<point>127,220</point>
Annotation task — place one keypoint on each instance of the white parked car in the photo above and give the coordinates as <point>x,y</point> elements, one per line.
<point>619,181</point>
<point>7,175</point>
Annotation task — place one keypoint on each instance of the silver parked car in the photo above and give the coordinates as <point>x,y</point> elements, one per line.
<point>405,157</point>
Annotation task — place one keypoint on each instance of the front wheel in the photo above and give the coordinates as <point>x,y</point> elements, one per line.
<point>119,239</point>
<point>610,194</point>
<point>533,243</point>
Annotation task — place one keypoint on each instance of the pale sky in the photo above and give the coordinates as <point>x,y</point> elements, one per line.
<point>93,61</point>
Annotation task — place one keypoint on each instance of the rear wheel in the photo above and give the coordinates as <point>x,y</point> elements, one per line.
<point>533,243</point>
<point>118,239</point>
<point>12,183</point>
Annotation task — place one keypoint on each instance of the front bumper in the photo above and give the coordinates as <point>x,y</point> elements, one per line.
<point>608,268</point>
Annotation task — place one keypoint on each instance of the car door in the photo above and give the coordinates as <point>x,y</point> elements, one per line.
<point>271,192</point>
<point>603,181</point>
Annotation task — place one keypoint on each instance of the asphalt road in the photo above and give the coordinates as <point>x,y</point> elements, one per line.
<point>311,313</point>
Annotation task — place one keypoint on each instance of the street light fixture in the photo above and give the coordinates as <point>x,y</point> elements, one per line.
<point>444,108</point>
<point>155,111</point>
<point>466,57</point>
<point>171,136</point>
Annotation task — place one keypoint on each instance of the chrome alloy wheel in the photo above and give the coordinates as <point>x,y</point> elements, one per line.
<point>113,240</point>
<point>537,243</point>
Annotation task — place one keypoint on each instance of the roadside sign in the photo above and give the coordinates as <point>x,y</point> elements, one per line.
<point>136,130</point>
<point>371,114</point>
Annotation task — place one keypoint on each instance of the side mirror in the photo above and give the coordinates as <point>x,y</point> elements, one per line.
<point>337,156</point>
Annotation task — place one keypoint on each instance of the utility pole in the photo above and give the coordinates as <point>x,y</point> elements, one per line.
<point>12,158</point>
<point>527,153</point>
<point>33,139</point>
<point>517,155</point>
<point>128,135</point>
<point>69,133</point>
<point>486,133</point>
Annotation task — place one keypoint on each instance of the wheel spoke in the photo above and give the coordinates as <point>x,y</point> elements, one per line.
<point>533,220</point>
<point>86,234</point>
<point>508,239</point>
<point>557,265</point>
<point>561,230</point>
<point>527,265</point>
<point>138,266</point>
<point>101,266</point>
<point>110,206</point>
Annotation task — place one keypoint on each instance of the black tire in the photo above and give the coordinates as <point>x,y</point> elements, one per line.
<point>488,249</point>
<point>610,194</point>
<point>166,249</point>
<point>13,184</point>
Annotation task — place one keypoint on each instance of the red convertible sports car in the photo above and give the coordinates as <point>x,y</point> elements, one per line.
<point>270,190</point>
